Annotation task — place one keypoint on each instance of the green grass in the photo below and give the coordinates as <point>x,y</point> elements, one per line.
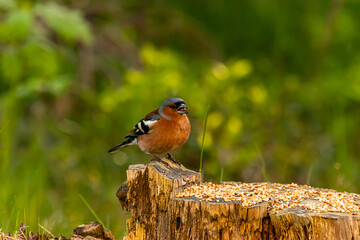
<point>31,193</point>
<point>45,230</point>
<point>308,178</point>
<point>203,138</point>
<point>4,126</point>
<point>263,165</point>
<point>92,211</point>
<point>221,174</point>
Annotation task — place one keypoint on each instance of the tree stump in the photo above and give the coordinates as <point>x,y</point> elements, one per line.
<point>151,195</point>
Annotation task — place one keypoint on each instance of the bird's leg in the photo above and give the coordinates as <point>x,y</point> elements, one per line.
<point>170,157</point>
<point>156,158</point>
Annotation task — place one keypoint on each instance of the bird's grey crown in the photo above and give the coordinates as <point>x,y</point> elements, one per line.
<point>171,100</point>
<point>175,100</point>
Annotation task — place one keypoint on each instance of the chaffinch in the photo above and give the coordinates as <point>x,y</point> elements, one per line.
<point>161,131</point>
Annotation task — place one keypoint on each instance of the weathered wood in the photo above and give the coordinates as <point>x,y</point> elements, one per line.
<point>156,213</point>
<point>150,188</point>
<point>92,231</point>
<point>304,225</point>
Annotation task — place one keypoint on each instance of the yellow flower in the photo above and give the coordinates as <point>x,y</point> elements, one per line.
<point>241,68</point>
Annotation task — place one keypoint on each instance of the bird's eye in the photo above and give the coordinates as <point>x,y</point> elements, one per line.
<point>172,106</point>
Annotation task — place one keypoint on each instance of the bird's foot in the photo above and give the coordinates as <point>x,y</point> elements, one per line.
<point>170,157</point>
<point>157,159</point>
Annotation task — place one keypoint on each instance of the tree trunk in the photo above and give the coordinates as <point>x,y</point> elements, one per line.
<point>156,213</point>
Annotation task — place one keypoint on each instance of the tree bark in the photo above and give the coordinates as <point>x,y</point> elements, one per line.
<point>156,213</point>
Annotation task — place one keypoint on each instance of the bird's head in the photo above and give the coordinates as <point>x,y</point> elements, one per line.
<point>173,107</point>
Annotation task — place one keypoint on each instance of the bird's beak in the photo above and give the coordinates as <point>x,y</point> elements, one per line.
<point>182,109</point>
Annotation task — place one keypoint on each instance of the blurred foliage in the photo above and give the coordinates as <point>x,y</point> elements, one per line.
<point>282,79</point>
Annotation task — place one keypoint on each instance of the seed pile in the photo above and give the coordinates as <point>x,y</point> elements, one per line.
<point>279,196</point>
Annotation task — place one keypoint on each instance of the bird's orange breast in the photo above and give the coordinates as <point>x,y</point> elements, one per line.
<point>166,135</point>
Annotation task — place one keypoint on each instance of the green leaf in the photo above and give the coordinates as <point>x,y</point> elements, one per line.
<point>40,60</point>
<point>7,4</point>
<point>67,23</point>
<point>59,85</point>
<point>17,26</point>
<point>11,67</point>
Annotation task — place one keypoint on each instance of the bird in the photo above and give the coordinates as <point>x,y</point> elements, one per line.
<point>161,131</point>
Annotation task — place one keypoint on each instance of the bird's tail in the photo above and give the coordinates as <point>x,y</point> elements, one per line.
<point>131,140</point>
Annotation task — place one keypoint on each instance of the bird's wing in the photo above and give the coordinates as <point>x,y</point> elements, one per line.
<point>144,125</point>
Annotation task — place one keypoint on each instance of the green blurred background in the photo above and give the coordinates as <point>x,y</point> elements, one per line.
<point>282,79</point>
